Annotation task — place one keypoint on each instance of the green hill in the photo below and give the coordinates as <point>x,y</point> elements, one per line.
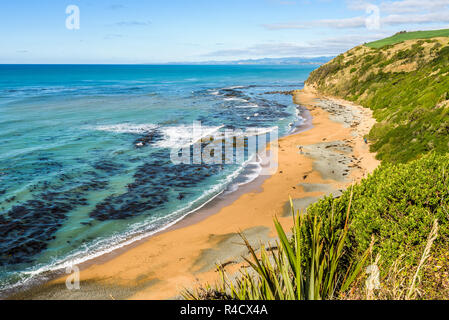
<point>403,36</point>
<point>407,87</point>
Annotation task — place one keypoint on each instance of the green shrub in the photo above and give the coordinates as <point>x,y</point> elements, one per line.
<point>396,205</point>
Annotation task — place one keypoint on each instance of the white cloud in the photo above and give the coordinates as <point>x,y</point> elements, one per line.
<point>409,6</point>
<point>396,19</point>
<point>325,47</point>
<point>355,22</point>
<point>392,13</point>
<point>403,6</point>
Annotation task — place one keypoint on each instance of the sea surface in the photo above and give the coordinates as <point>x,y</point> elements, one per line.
<point>85,152</point>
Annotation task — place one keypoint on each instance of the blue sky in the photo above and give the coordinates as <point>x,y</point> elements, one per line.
<point>154,31</point>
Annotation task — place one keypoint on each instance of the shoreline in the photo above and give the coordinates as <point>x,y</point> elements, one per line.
<point>208,208</point>
<point>184,254</point>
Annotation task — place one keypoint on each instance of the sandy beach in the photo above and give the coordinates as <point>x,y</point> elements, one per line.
<point>322,160</point>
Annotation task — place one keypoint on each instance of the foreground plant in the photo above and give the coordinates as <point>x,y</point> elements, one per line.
<point>300,269</point>
<point>403,281</point>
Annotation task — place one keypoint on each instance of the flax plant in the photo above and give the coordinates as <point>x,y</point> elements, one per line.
<point>291,272</point>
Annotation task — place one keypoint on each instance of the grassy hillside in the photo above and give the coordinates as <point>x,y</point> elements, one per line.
<point>407,87</point>
<point>403,36</point>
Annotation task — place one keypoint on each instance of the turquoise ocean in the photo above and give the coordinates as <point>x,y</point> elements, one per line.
<point>85,152</point>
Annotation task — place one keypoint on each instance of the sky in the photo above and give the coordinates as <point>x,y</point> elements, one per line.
<point>161,31</point>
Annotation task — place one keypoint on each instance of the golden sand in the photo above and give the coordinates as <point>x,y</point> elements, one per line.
<point>164,264</point>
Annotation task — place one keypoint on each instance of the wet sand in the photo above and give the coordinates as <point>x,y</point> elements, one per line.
<point>322,160</point>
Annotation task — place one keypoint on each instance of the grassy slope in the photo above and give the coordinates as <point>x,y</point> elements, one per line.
<point>399,37</point>
<point>406,85</point>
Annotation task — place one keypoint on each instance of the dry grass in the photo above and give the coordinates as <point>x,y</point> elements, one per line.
<point>427,280</point>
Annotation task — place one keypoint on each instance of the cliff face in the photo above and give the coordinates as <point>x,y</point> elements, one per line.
<point>406,85</point>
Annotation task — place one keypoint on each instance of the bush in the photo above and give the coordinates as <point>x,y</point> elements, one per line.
<point>396,205</point>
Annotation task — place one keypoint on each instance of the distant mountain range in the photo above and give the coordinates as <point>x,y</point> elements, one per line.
<point>267,61</point>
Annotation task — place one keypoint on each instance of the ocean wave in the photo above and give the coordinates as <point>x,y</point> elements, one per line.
<point>235,87</point>
<point>178,136</point>
<point>246,106</point>
<point>234,99</point>
<point>184,136</point>
<point>251,172</point>
<point>128,128</point>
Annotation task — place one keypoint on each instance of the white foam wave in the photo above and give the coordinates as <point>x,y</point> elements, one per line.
<point>248,176</point>
<point>183,136</point>
<point>128,128</point>
<point>234,99</point>
<point>235,87</point>
<point>245,106</point>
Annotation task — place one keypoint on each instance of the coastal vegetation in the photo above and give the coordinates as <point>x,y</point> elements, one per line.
<point>407,87</point>
<point>396,221</point>
<point>387,236</point>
